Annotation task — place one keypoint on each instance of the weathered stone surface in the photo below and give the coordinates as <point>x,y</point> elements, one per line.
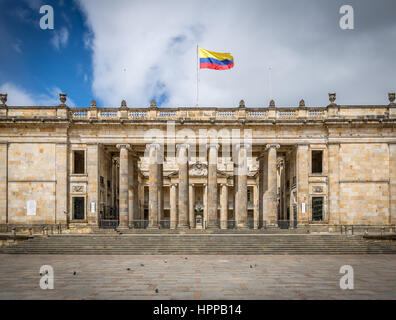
<point>357,182</point>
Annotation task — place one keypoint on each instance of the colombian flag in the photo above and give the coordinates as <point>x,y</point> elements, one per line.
<point>215,60</point>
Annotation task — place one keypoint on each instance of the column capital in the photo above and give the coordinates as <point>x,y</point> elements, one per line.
<point>183,145</point>
<point>244,145</point>
<point>123,146</point>
<point>155,145</point>
<point>173,184</point>
<point>272,145</point>
<point>191,184</point>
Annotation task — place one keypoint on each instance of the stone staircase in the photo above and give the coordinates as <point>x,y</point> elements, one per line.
<point>205,244</point>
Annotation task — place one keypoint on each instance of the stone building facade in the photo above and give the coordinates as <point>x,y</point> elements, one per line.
<point>242,167</point>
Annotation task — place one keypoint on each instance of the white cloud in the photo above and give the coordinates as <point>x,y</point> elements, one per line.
<point>60,38</point>
<point>18,96</point>
<point>148,48</point>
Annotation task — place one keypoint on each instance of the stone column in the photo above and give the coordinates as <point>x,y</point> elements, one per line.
<point>124,184</point>
<point>3,183</point>
<point>212,185</point>
<point>205,204</point>
<point>135,188</point>
<point>61,184</point>
<point>262,185</point>
<point>302,183</point>
<point>93,184</point>
<point>292,174</point>
<point>191,202</point>
<point>241,193</point>
<point>173,206</point>
<point>182,159</point>
<point>235,189</point>
<point>281,173</point>
<point>392,183</point>
<point>153,151</point>
<point>224,206</point>
<point>114,183</point>
<point>256,218</point>
<point>334,183</point>
<point>272,185</point>
<point>141,200</point>
<point>160,189</point>
<point>133,200</point>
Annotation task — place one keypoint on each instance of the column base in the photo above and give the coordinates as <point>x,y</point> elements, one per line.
<point>153,227</point>
<point>183,227</point>
<point>212,227</point>
<point>242,227</point>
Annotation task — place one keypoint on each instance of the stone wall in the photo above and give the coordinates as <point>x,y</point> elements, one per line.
<point>31,176</point>
<point>364,183</point>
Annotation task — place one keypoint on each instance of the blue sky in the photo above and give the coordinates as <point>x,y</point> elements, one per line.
<point>41,60</point>
<point>139,50</point>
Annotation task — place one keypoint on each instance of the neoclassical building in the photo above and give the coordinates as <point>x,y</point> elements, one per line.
<point>196,167</point>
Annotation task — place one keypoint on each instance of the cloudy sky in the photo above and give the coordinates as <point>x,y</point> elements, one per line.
<point>109,50</point>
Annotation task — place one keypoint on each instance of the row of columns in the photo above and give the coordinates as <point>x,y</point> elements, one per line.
<point>183,217</point>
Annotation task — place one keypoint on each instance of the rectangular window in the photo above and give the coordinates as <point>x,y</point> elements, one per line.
<point>78,208</point>
<point>317,208</point>
<point>79,162</point>
<point>316,161</point>
<point>249,195</point>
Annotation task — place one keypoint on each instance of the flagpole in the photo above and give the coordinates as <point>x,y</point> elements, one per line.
<point>270,81</point>
<point>197,74</point>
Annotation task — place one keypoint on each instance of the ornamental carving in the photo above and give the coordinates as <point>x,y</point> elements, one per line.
<point>198,170</point>
<point>78,189</point>
<point>317,189</point>
<point>332,97</point>
<point>392,97</point>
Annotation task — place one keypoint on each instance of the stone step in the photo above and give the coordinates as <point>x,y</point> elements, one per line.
<point>200,244</point>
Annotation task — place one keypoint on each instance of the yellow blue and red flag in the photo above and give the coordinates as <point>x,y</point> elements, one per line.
<point>215,60</point>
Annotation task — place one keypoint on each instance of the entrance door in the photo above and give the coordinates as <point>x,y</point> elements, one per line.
<point>78,208</point>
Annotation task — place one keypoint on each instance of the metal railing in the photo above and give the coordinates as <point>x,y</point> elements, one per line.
<point>108,223</point>
<point>139,224</point>
<point>164,224</point>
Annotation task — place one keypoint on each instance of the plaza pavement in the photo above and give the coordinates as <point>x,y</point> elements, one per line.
<point>198,277</point>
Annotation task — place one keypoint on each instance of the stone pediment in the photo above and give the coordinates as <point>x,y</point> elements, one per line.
<point>198,169</point>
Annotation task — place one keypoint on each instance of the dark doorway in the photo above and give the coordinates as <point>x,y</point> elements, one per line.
<point>78,208</point>
<point>317,208</point>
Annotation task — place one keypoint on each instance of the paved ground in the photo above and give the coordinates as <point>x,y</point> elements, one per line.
<point>198,277</point>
